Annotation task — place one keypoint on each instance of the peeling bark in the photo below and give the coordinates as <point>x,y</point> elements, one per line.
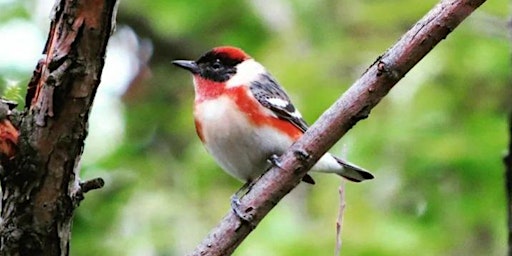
<point>40,185</point>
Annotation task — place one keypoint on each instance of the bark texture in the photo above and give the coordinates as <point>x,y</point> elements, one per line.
<point>40,183</point>
<point>353,106</point>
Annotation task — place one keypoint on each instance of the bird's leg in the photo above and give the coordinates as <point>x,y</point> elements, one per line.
<point>274,160</point>
<point>235,198</point>
<point>235,201</point>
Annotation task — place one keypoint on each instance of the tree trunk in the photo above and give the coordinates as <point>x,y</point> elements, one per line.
<point>40,182</point>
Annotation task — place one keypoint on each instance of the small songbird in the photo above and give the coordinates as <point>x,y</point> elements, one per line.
<point>244,117</point>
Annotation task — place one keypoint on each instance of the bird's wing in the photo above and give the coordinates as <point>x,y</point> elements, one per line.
<point>270,95</point>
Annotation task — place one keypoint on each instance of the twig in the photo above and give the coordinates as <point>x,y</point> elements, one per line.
<point>83,187</point>
<point>89,185</point>
<point>353,106</point>
<point>339,220</point>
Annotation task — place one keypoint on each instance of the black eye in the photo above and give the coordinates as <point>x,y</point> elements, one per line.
<point>216,64</point>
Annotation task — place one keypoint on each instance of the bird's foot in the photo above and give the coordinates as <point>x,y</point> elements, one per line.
<point>243,214</point>
<point>274,160</point>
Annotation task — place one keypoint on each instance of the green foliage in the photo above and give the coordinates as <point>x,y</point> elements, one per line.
<point>14,93</point>
<point>435,143</point>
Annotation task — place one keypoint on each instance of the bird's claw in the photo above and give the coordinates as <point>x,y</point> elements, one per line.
<point>274,160</point>
<point>244,215</point>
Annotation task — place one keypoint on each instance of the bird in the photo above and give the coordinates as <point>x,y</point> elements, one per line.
<point>245,119</point>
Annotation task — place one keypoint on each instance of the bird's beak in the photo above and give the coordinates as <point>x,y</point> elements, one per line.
<point>189,65</point>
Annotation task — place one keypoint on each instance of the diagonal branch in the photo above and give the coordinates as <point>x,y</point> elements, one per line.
<point>354,105</point>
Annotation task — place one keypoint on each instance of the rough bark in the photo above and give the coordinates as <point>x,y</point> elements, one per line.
<point>40,185</point>
<point>354,105</point>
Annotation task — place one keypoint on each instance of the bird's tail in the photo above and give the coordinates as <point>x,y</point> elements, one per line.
<point>353,172</point>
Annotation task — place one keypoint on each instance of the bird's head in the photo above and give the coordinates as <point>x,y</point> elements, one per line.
<point>225,65</point>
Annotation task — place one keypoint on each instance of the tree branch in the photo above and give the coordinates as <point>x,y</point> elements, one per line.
<point>40,185</point>
<point>354,105</point>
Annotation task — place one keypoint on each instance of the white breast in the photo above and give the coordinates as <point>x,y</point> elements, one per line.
<point>238,147</point>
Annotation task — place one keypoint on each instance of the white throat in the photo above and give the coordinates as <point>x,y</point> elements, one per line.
<point>246,72</point>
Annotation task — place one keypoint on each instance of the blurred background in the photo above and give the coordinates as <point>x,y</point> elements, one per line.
<point>435,143</point>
